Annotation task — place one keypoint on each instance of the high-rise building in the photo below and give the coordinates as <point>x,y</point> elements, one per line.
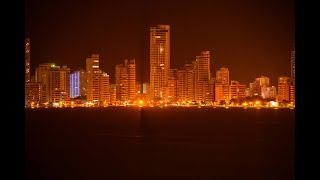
<point>92,68</point>
<point>104,88</point>
<point>159,59</point>
<point>59,85</point>
<point>255,88</point>
<point>75,84</point>
<point>185,83</point>
<point>181,82</point>
<point>126,81</point>
<point>132,80</point>
<point>222,76</point>
<point>78,83</point>
<point>121,82</point>
<point>293,68</point>
<point>27,60</point>
<point>190,75</point>
<point>203,66</point>
<point>284,89</point>
<point>209,95</point>
<point>237,90</point>
<point>292,93</point>
<point>260,87</point>
<point>113,92</point>
<point>172,86</point>
<point>218,92</point>
<point>42,76</point>
<point>202,75</point>
<point>34,92</point>
<point>27,67</point>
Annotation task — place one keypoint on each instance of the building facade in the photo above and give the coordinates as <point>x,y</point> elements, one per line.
<point>284,84</point>
<point>104,89</point>
<point>92,69</point>
<point>159,59</point>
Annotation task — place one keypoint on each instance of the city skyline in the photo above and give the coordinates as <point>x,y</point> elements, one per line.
<point>235,39</point>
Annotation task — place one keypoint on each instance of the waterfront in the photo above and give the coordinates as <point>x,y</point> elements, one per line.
<point>133,142</point>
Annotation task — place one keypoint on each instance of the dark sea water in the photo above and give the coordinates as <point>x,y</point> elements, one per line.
<point>160,143</point>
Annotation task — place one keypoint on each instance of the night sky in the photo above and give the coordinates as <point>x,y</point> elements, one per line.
<point>250,37</point>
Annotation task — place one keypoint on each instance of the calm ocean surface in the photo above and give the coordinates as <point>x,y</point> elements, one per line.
<point>160,143</point>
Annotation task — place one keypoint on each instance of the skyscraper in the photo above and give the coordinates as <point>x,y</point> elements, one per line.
<point>27,60</point>
<point>126,81</point>
<point>104,89</point>
<point>122,84</point>
<point>75,84</point>
<point>132,79</point>
<point>92,68</point>
<point>59,85</point>
<point>42,76</point>
<point>293,68</point>
<point>27,67</point>
<point>78,83</point>
<point>34,92</point>
<point>159,59</point>
<point>203,68</point>
<point>222,77</point>
<point>202,74</point>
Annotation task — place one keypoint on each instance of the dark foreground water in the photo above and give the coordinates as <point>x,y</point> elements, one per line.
<point>160,143</point>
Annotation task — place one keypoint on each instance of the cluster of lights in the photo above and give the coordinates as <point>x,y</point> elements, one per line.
<point>140,103</point>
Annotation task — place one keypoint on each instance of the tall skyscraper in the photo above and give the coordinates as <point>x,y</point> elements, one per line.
<point>92,68</point>
<point>27,68</point>
<point>122,83</point>
<point>202,75</point>
<point>132,79</point>
<point>78,83</point>
<point>203,66</point>
<point>293,67</point>
<point>159,59</point>
<point>75,84</point>
<point>27,60</point>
